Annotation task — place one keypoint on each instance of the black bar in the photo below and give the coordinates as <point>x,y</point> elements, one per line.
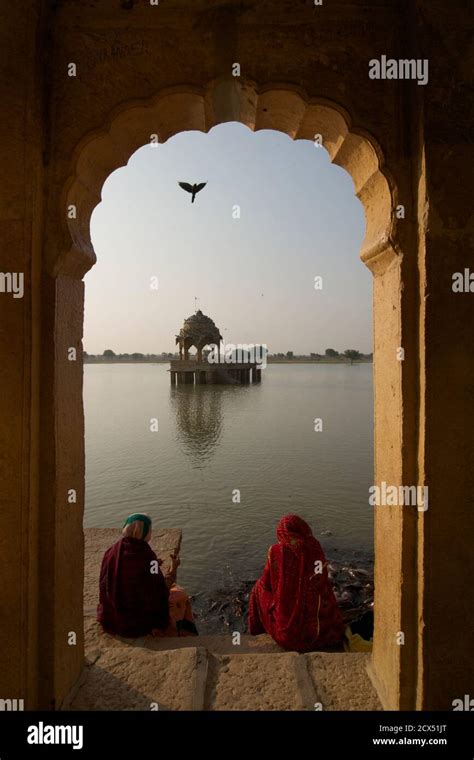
<point>239,734</point>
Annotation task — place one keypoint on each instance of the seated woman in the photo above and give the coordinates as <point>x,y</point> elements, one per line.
<point>293,600</point>
<point>135,598</point>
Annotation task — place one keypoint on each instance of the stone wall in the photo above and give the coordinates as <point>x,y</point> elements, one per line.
<point>166,68</point>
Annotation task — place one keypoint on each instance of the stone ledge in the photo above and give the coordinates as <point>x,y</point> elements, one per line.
<point>342,680</point>
<point>135,678</point>
<point>130,674</point>
<point>254,682</point>
<point>96,641</point>
<point>218,644</point>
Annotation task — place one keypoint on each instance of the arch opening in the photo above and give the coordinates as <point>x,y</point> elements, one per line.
<point>279,108</point>
<point>287,181</point>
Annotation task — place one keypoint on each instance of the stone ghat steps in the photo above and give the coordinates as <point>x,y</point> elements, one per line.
<point>210,673</point>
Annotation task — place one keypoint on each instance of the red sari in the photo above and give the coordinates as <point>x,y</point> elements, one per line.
<point>132,600</point>
<point>293,600</point>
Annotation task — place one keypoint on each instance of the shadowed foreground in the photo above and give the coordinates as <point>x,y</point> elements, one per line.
<point>206,672</point>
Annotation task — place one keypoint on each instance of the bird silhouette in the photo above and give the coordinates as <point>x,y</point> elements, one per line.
<point>193,189</point>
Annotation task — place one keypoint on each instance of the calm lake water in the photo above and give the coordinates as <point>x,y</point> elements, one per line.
<point>211,440</point>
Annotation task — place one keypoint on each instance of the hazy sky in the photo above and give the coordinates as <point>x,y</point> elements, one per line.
<point>254,276</point>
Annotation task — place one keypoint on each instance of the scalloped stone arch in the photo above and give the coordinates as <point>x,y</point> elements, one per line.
<point>279,107</point>
<point>287,109</point>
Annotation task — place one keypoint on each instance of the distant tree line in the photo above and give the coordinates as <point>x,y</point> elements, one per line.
<point>330,354</point>
<point>110,356</point>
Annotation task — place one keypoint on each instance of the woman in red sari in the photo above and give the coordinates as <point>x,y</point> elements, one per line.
<point>135,598</point>
<point>293,600</point>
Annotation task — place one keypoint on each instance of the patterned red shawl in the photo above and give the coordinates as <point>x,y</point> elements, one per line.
<point>293,600</point>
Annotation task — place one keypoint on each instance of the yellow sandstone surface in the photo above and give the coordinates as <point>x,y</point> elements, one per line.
<point>206,672</point>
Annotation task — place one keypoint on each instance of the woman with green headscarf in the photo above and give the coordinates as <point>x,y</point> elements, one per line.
<point>134,597</point>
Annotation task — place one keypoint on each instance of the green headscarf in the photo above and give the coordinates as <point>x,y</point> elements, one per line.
<point>142,518</point>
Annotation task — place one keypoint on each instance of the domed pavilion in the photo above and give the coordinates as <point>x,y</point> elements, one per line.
<point>199,331</point>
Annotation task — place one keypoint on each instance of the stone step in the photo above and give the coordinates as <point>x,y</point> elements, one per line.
<point>136,678</point>
<point>290,681</point>
<point>96,640</point>
<point>218,644</point>
<point>211,673</point>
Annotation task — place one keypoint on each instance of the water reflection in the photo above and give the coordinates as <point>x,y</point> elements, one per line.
<point>199,420</point>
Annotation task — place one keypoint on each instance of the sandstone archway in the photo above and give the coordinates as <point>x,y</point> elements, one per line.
<point>287,109</point>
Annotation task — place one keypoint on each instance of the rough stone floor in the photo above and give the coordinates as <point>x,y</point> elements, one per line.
<point>207,672</point>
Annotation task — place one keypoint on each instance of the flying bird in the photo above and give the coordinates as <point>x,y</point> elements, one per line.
<point>193,189</point>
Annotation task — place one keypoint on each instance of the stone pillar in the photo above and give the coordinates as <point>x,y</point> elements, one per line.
<point>61,489</point>
<point>173,377</point>
<point>446,447</point>
<point>424,559</point>
<point>41,419</point>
